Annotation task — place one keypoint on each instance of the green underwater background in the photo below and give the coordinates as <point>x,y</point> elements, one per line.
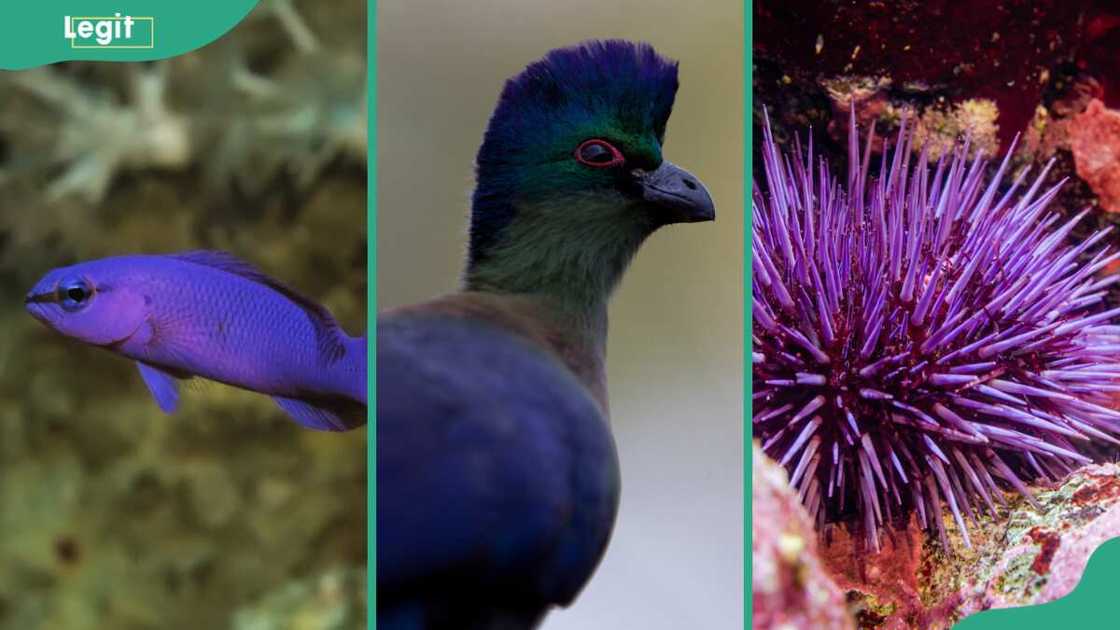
<point>226,514</point>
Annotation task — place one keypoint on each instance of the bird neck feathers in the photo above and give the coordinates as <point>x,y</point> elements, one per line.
<point>571,256</point>
<point>560,274</point>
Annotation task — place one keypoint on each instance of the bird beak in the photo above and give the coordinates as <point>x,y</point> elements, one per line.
<point>677,193</point>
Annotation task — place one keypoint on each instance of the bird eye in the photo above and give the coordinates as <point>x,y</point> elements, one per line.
<point>74,294</point>
<point>599,154</point>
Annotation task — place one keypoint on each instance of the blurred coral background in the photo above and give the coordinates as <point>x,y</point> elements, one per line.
<point>227,514</point>
<point>676,338</point>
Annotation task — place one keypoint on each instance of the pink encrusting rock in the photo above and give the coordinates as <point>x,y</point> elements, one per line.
<point>1095,142</point>
<point>1045,552</point>
<point>791,588</point>
<point>1023,556</point>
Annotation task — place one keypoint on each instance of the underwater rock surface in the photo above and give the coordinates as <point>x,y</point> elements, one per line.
<point>1022,557</point>
<point>791,588</point>
<point>1095,142</point>
<point>1039,556</point>
<point>989,72</point>
<point>939,51</point>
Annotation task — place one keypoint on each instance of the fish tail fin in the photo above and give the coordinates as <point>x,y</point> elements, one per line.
<point>341,403</point>
<point>357,351</point>
<point>343,409</point>
<point>324,414</point>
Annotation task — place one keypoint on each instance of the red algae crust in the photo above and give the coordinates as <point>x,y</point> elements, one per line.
<point>1023,556</point>
<point>1095,143</point>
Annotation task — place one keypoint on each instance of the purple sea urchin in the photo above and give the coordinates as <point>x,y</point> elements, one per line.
<point>923,337</point>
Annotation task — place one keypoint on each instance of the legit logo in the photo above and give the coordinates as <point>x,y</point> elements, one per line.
<point>110,32</point>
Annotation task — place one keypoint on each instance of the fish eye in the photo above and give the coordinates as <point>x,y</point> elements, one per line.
<point>599,153</point>
<point>74,294</point>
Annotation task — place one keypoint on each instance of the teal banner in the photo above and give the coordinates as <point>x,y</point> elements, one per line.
<point>40,33</point>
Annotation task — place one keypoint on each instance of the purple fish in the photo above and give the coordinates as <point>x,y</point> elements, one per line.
<point>211,315</point>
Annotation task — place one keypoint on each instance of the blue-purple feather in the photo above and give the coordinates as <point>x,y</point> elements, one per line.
<point>497,474</point>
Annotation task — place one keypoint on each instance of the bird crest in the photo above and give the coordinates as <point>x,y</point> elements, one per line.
<point>595,88</point>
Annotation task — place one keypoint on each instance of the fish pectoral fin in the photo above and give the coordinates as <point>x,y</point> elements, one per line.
<point>311,416</point>
<point>163,386</point>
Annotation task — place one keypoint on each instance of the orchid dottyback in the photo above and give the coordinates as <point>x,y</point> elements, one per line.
<point>208,314</point>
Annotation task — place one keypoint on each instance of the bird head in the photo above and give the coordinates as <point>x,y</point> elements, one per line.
<point>570,174</point>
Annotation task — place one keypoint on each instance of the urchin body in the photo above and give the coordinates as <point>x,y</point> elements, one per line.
<point>925,337</point>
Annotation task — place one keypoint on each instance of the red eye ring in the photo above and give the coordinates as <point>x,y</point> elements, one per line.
<point>598,153</point>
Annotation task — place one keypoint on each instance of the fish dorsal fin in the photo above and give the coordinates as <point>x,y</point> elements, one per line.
<point>327,331</point>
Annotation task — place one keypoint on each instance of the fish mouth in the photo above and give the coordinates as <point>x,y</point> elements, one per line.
<point>36,298</point>
<point>37,310</point>
<point>35,304</point>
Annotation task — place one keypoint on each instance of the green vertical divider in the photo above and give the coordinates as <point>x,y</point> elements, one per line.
<point>748,73</point>
<point>371,326</point>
